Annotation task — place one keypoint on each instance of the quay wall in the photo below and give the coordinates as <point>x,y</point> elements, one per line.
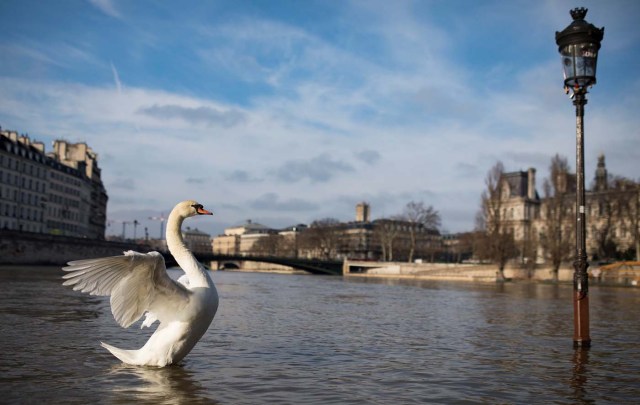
<point>449,271</point>
<point>25,248</point>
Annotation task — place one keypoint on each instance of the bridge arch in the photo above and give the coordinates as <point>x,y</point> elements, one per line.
<point>313,266</point>
<point>228,265</point>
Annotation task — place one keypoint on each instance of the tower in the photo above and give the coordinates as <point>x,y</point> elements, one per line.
<point>363,212</point>
<point>601,175</point>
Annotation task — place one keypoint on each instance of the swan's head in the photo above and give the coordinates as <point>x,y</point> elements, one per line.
<point>191,208</point>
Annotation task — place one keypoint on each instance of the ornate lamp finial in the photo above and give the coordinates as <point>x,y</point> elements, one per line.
<point>579,13</point>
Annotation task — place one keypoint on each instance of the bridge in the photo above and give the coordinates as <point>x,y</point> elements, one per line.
<point>313,266</point>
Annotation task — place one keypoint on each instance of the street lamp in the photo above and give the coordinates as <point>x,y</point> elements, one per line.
<point>578,45</point>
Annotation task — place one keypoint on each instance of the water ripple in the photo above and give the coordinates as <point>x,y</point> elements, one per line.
<point>308,340</point>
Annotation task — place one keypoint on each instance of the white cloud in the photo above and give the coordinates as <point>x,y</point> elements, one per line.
<point>335,122</point>
<point>207,115</point>
<point>116,78</point>
<point>107,7</point>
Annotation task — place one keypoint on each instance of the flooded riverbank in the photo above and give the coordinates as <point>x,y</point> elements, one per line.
<point>305,339</point>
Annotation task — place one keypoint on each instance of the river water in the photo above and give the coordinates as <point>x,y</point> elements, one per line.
<point>296,339</point>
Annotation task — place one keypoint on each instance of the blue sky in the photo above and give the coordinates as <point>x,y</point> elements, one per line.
<point>289,111</point>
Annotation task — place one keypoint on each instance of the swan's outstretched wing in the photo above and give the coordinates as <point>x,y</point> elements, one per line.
<point>136,282</point>
<point>150,317</point>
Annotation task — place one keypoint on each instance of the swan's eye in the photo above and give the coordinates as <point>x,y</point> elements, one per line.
<point>197,207</point>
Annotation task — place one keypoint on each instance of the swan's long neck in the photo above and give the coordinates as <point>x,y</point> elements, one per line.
<point>182,254</point>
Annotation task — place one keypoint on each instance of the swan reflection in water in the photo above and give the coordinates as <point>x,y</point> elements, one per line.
<point>167,385</point>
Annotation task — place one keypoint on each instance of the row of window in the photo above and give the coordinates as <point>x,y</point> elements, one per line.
<point>22,167</point>
<point>21,212</point>
<point>22,197</point>
<point>64,200</point>
<point>21,226</point>
<point>621,232</point>
<point>63,189</point>
<point>21,181</point>
<point>592,210</point>
<point>26,168</point>
<point>64,226</point>
<point>31,220</point>
<point>64,213</point>
<point>66,179</point>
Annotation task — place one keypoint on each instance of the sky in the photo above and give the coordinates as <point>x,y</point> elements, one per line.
<point>286,112</point>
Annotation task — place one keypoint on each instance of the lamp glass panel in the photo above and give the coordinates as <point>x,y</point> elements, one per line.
<point>579,64</point>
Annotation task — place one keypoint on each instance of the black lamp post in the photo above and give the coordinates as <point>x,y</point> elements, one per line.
<point>578,45</point>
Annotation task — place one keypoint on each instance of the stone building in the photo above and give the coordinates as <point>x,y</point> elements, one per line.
<point>84,160</point>
<point>520,207</point>
<point>362,239</point>
<point>240,239</point>
<point>196,240</point>
<point>57,193</point>
<point>612,209</point>
<point>383,239</point>
<point>613,212</point>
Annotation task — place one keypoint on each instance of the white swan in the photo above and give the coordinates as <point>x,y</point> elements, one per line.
<point>138,282</point>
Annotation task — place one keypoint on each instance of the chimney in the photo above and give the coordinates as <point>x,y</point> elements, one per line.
<point>39,146</point>
<point>531,184</point>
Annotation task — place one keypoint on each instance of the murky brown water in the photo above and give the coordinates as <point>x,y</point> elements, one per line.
<point>292,339</point>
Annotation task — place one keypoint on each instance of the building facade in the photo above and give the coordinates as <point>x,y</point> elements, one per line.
<point>612,210</point>
<point>240,239</point>
<point>362,239</point>
<point>56,193</point>
<point>196,240</point>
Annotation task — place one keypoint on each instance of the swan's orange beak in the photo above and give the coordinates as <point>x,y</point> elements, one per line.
<point>202,211</point>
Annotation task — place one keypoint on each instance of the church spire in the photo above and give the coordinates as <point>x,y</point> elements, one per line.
<point>601,175</point>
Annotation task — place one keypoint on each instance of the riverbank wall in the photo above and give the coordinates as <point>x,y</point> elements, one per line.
<point>451,271</point>
<point>625,274</point>
<point>24,248</point>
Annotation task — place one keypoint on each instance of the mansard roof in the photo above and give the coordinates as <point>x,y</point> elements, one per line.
<point>518,183</point>
<point>195,232</point>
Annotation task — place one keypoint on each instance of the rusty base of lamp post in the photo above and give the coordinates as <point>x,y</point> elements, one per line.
<point>581,321</point>
<point>581,338</point>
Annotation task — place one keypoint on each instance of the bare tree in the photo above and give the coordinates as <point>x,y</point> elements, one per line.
<point>558,224</point>
<point>385,232</point>
<point>497,239</point>
<point>322,238</point>
<point>625,207</point>
<point>603,225</point>
<point>268,245</point>
<point>419,218</point>
<point>529,249</point>
<point>287,246</point>
<point>464,246</point>
<point>633,216</point>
